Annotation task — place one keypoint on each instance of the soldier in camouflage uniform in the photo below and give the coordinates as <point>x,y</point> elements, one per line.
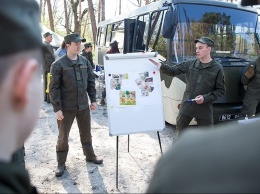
<point>204,85</point>
<point>72,86</point>
<point>49,58</point>
<point>192,167</point>
<point>251,79</point>
<point>87,53</point>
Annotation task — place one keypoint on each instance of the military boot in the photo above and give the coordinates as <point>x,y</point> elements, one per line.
<point>95,160</point>
<point>60,170</point>
<point>90,155</point>
<point>102,102</point>
<point>61,158</point>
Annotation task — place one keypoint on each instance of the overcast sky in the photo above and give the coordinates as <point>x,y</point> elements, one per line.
<point>112,7</point>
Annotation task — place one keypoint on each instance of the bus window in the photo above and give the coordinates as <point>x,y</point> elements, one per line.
<point>129,35</point>
<point>102,36</point>
<point>108,35</point>
<point>118,34</point>
<point>98,37</point>
<point>232,30</point>
<point>141,32</point>
<point>156,41</point>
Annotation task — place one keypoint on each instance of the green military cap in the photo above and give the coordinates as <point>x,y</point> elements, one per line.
<point>114,43</point>
<point>19,26</point>
<point>73,38</point>
<point>206,40</point>
<point>46,34</point>
<point>87,45</point>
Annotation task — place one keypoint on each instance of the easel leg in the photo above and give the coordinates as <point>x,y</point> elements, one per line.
<point>128,142</point>
<point>117,162</point>
<point>159,142</point>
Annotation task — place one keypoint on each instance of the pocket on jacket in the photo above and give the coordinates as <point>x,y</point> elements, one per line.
<point>69,78</point>
<point>84,72</point>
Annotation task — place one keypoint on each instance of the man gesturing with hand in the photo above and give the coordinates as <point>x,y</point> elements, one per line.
<point>204,84</point>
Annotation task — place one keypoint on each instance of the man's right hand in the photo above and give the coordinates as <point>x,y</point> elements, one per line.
<point>59,115</point>
<point>156,63</point>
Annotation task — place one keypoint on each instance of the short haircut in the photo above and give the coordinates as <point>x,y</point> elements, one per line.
<point>7,62</point>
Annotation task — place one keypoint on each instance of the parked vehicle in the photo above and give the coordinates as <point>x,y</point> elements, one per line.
<point>170,28</point>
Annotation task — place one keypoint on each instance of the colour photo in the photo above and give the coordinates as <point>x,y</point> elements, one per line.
<point>127,98</point>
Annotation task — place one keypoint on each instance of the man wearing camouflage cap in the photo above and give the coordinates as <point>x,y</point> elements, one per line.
<point>20,87</point>
<point>224,160</point>
<point>49,58</point>
<point>204,84</point>
<point>87,52</point>
<point>72,82</point>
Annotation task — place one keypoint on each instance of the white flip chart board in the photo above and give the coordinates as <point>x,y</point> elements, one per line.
<point>133,93</point>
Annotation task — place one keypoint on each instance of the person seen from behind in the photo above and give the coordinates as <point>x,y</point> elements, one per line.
<point>204,84</point>
<point>223,160</point>
<point>72,85</point>
<point>112,50</point>
<point>20,87</point>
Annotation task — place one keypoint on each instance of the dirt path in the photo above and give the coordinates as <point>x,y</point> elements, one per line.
<point>135,167</point>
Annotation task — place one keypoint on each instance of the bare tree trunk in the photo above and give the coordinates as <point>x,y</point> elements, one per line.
<point>147,2</point>
<point>40,11</point>
<point>119,7</point>
<point>85,25</point>
<point>77,16</point>
<point>50,15</point>
<point>80,19</point>
<point>103,10</point>
<point>103,6</point>
<point>66,17</point>
<point>43,10</point>
<point>99,10</point>
<point>93,19</point>
<point>74,6</point>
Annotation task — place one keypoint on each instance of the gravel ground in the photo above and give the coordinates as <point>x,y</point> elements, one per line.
<point>135,167</point>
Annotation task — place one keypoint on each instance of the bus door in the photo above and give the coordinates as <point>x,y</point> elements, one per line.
<point>139,36</point>
<point>129,35</point>
<point>141,33</point>
<point>101,48</point>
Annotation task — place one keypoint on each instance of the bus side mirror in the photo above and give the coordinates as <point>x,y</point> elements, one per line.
<point>169,24</point>
<point>249,2</point>
<point>257,38</point>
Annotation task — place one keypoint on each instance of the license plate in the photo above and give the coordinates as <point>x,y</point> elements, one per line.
<point>227,117</point>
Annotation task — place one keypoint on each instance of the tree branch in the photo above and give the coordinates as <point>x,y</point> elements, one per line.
<point>85,11</point>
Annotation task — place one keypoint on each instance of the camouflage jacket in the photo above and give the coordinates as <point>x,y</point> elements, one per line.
<point>89,57</point>
<point>48,56</point>
<point>251,78</point>
<point>71,84</point>
<point>15,179</point>
<point>201,79</point>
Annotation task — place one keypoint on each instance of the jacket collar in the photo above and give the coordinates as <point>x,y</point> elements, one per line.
<point>47,42</point>
<point>79,61</point>
<point>200,65</point>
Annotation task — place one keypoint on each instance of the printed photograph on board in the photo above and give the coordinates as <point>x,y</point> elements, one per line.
<point>127,97</point>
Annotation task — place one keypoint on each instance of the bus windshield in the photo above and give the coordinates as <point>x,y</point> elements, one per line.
<point>234,32</point>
